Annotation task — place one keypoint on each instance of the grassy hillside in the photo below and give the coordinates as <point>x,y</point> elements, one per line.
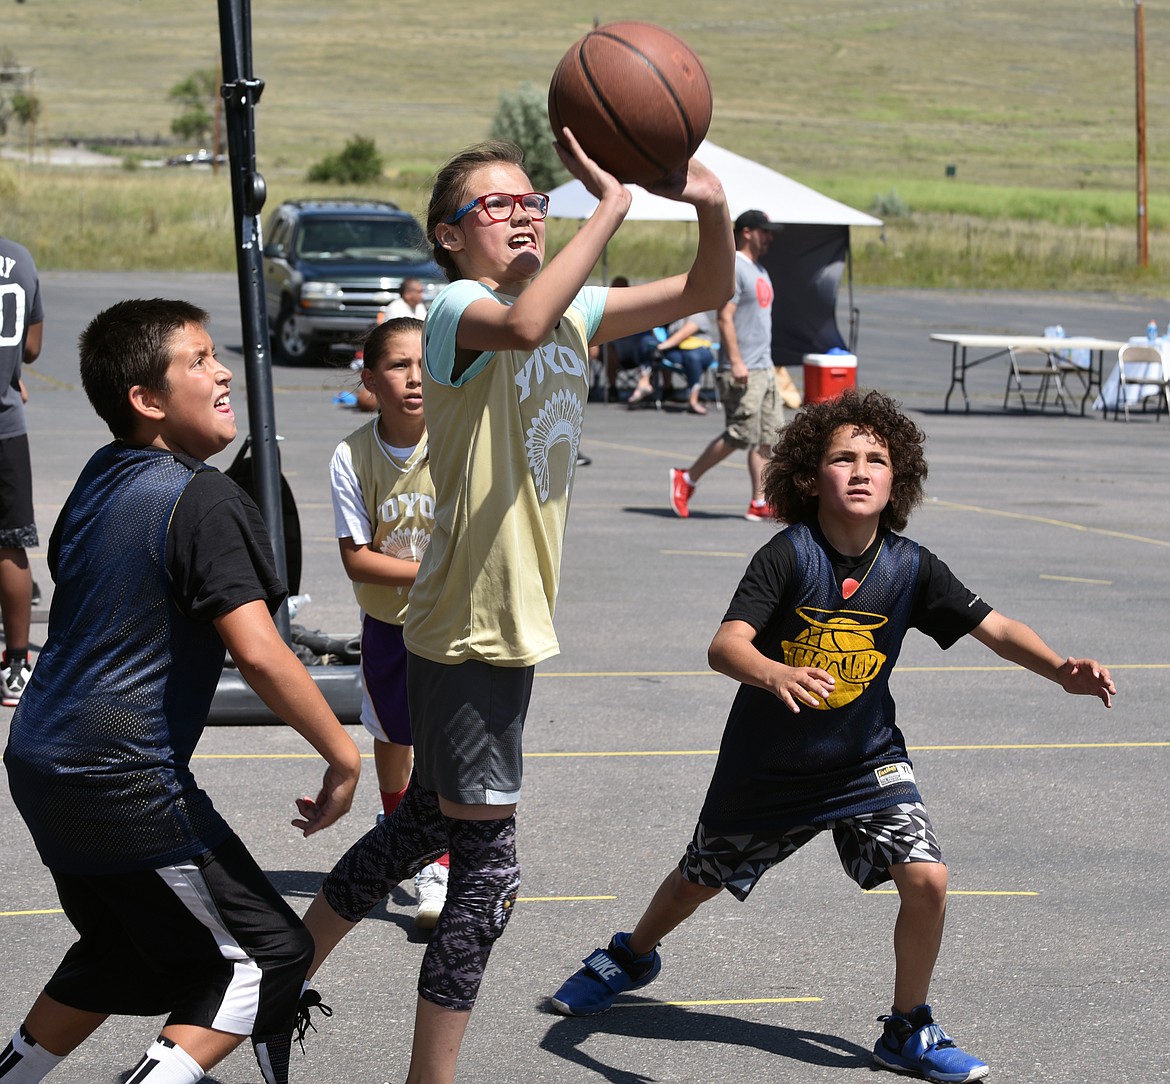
<point>1032,92</point>
<point>1031,101</point>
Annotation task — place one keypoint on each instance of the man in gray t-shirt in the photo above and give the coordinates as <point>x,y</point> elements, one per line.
<point>747,381</point>
<point>745,322</point>
<point>21,318</point>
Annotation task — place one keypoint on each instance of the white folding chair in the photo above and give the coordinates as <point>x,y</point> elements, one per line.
<point>1144,370</point>
<point>1033,363</point>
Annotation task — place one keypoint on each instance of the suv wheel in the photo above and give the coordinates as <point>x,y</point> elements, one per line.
<point>290,346</point>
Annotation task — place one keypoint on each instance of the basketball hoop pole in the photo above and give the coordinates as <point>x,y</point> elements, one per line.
<point>240,92</point>
<point>235,703</point>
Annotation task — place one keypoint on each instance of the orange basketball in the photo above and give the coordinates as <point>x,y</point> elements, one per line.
<point>636,97</point>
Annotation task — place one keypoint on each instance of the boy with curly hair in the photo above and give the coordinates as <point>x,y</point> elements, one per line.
<point>811,744</point>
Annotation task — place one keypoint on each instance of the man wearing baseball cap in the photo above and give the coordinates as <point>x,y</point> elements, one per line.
<point>747,383</point>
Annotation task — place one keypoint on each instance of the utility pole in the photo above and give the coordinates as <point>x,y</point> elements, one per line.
<point>1143,237</point>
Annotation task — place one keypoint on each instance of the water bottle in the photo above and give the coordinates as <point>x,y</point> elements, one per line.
<point>1152,331</point>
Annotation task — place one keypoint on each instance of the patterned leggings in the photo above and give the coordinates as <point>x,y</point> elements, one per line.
<point>481,889</point>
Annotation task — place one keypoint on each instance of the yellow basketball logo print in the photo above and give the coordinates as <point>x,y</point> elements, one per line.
<point>841,643</point>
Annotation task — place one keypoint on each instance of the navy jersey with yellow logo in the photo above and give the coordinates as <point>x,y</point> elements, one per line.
<point>812,606</point>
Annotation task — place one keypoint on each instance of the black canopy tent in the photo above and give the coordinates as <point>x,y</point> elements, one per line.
<point>806,264</point>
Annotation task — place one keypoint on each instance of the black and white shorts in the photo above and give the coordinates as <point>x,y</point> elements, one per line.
<point>468,727</point>
<point>18,529</point>
<point>867,845</point>
<point>208,941</point>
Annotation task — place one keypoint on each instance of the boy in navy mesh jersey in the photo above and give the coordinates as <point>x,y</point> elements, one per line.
<point>160,562</point>
<point>811,743</point>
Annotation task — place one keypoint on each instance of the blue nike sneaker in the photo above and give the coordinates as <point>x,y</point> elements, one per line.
<point>607,973</point>
<point>915,1045</point>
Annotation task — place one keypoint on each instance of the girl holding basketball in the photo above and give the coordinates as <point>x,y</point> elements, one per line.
<point>505,382</point>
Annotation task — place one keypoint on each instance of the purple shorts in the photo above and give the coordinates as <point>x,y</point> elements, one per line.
<point>385,713</point>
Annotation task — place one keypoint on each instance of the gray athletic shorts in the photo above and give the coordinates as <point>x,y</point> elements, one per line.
<point>753,411</point>
<point>867,845</point>
<point>468,725</point>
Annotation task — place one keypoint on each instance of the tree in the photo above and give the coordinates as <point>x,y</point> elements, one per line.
<point>195,94</point>
<point>12,77</point>
<point>522,117</point>
<point>358,163</point>
<point>26,108</point>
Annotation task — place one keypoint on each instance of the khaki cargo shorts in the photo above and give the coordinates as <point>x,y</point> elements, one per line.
<point>753,410</point>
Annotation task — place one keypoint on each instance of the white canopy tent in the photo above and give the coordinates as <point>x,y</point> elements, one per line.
<point>807,256</point>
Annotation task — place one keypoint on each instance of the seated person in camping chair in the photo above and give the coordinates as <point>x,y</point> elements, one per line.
<point>683,347</point>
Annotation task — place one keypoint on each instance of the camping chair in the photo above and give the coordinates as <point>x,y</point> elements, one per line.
<point>1144,369</point>
<point>1031,362</point>
<point>667,370</point>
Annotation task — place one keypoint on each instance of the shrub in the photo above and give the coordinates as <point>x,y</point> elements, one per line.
<point>890,205</point>
<point>358,163</point>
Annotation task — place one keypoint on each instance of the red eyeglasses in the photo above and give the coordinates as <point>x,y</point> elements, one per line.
<point>498,206</point>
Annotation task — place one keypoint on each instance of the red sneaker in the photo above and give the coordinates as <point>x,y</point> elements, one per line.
<point>680,492</point>
<point>759,512</point>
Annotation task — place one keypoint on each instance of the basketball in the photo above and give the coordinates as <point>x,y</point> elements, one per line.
<point>636,97</point>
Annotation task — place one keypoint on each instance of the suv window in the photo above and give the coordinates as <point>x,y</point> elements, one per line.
<point>361,238</point>
<point>279,234</point>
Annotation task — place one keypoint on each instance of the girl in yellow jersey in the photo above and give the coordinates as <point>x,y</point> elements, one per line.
<point>505,381</point>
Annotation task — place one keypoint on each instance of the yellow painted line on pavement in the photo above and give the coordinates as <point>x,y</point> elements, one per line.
<point>719,1001</point>
<point>631,753</point>
<point>520,899</point>
<point>1021,670</point>
<point>1047,745</point>
<point>714,752</point>
<point>951,892</point>
<point>1076,579</point>
<point>263,756</point>
<point>1002,668</point>
<point>561,899</point>
<point>627,673</point>
<point>45,378</point>
<point>1051,522</point>
<point>909,748</point>
<point>639,449</point>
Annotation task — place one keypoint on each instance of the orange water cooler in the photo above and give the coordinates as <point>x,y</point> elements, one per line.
<point>828,375</point>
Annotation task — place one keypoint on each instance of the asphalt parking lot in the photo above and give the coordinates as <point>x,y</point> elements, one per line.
<point>1053,812</point>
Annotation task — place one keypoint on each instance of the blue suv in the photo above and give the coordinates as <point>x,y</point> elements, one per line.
<point>330,265</point>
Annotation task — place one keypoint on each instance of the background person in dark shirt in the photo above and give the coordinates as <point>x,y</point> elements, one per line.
<point>160,562</point>
<point>21,323</point>
<point>811,743</point>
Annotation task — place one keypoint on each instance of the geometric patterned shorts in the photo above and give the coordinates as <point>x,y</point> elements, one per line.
<point>867,844</point>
